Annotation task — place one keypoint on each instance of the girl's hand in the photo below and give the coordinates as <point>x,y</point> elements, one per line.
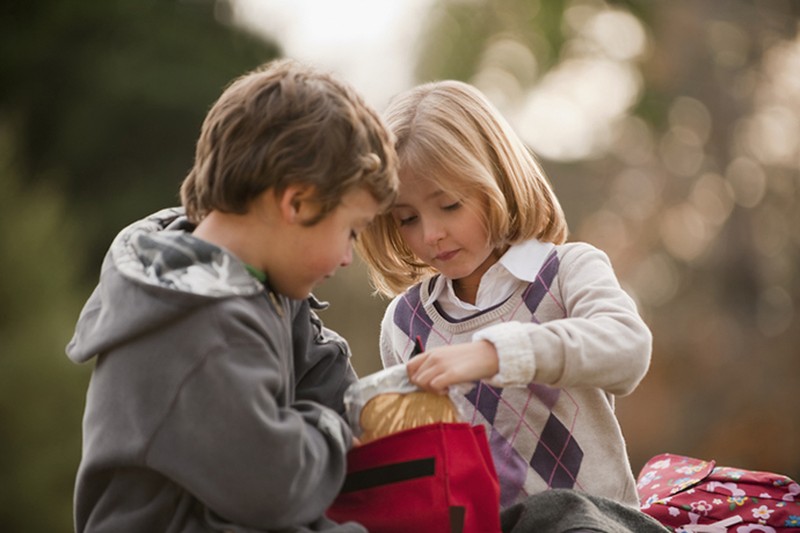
<point>439,368</point>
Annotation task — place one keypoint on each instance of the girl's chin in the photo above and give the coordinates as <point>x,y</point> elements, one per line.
<point>455,274</point>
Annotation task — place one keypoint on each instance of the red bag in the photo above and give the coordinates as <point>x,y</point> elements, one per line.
<point>692,496</point>
<point>432,478</point>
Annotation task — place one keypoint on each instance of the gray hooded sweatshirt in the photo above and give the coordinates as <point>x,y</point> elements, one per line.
<point>213,402</point>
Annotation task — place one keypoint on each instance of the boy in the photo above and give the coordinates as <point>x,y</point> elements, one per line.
<point>213,403</point>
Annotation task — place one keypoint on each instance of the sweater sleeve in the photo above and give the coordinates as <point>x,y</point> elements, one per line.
<point>231,438</point>
<point>602,343</point>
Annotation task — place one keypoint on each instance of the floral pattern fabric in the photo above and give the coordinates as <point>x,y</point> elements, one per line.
<point>694,496</point>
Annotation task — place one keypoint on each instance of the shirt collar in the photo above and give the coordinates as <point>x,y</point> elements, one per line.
<point>523,261</point>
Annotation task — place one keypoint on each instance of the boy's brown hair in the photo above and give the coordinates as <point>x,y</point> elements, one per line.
<point>286,123</point>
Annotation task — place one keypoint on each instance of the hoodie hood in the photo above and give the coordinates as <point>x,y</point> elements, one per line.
<point>155,271</point>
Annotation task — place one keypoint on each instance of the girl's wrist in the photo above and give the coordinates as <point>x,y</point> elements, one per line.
<point>489,357</point>
<point>515,362</point>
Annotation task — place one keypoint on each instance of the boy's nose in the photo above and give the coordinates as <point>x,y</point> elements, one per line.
<point>348,257</point>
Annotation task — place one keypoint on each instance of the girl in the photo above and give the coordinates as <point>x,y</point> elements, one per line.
<point>473,252</point>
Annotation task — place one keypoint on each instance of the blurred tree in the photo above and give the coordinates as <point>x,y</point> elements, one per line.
<point>111,96</point>
<point>670,132</point>
<point>460,33</point>
<point>41,392</point>
<point>100,106</point>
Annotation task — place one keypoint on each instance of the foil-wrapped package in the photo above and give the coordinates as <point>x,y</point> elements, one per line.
<point>386,402</point>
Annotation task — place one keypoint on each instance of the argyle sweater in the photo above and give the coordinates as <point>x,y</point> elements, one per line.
<point>567,343</point>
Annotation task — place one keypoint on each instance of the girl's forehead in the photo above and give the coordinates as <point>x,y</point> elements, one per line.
<point>421,190</point>
<point>414,181</point>
<point>428,177</point>
<point>410,178</point>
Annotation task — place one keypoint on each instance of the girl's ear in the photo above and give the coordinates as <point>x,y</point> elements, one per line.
<point>295,202</point>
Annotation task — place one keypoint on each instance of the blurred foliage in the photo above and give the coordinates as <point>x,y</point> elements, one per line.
<point>107,98</point>
<point>41,392</point>
<point>693,191</point>
<point>459,33</point>
<point>100,107</point>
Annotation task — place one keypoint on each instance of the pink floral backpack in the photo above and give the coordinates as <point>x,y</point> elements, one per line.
<point>694,496</point>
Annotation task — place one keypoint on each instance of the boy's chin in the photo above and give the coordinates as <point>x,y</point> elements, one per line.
<point>293,292</point>
<point>297,295</point>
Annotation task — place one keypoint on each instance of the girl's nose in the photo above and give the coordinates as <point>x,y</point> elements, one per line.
<point>432,232</point>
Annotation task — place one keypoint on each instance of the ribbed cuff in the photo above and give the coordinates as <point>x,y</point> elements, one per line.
<point>516,361</point>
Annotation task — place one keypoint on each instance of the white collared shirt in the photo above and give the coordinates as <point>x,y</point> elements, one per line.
<point>520,263</point>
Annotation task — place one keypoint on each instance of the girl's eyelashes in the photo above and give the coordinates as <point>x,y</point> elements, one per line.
<point>410,219</point>
<point>404,216</point>
<point>404,221</point>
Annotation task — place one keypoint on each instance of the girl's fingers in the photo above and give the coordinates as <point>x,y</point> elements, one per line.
<point>438,385</point>
<point>416,362</point>
<point>423,375</point>
<point>432,380</point>
<point>451,365</point>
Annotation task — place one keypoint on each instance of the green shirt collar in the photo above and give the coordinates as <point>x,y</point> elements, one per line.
<point>260,275</point>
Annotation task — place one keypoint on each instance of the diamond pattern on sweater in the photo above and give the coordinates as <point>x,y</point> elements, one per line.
<point>537,290</point>
<point>524,415</point>
<point>511,468</point>
<point>548,395</point>
<point>485,398</point>
<point>411,317</point>
<point>558,456</point>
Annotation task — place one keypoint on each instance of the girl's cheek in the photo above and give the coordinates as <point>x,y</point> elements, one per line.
<point>404,232</point>
<point>413,236</point>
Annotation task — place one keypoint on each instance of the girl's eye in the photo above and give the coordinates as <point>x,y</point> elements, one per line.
<point>403,217</point>
<point>404,221</point>
<point>452,207</point>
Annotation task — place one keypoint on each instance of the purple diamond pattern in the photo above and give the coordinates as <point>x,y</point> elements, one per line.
<point>485,398</point>
<point>547,395</point>
<point>411,317</point>
<point>558,457</point>
<point>511,468</point>
<point>537,290</point>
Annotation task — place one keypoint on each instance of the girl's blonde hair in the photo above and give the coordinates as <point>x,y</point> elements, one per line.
<point>450,131</point>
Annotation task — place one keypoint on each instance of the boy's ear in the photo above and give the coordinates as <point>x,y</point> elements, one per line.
<point>294,201</point>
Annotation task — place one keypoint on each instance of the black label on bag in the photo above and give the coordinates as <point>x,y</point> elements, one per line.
<point>388,474</point>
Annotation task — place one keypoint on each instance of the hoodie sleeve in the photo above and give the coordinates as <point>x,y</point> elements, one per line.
<point>323,369</point>
<point>235,438</point>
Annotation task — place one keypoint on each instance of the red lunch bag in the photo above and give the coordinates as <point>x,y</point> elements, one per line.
<point>432,478</point>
